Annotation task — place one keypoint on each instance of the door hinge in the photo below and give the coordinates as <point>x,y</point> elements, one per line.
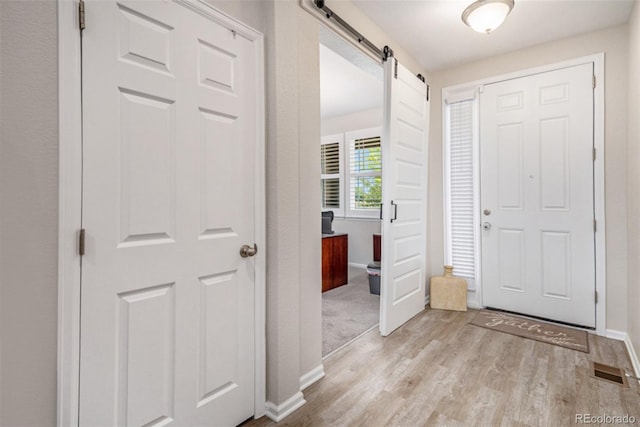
<point>594,81</point>
<point>81,16</point>
<point>428,87</point>
<point>594,154</point>
<point>596,296</point>
<point>395,69</point>
<point>81,242</point>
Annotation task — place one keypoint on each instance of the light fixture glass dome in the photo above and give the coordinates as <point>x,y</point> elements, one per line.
<point>485,16</point>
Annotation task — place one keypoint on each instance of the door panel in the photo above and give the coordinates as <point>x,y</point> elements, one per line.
<point>167,323</point>
<point>538,254</point>
<point>404,156</point>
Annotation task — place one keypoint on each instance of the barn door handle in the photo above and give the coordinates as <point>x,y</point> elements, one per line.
<point>381,210</point>
<point>247,251</point>
<point>395,211</point>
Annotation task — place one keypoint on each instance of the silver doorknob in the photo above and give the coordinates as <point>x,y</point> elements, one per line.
<point>486,225</point>
<point>247,251</point>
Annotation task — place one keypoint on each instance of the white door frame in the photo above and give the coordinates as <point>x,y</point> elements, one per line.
<point>70,205</point>
<point>471,90</point>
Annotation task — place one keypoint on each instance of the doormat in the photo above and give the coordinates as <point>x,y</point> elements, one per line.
<point>533,329</point>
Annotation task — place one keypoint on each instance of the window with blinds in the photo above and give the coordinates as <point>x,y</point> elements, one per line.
<point>460,188</point>
<point>365,174</point>
<point>351,173</point>
<point>331,173</point>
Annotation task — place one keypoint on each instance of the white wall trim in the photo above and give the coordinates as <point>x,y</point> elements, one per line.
<point>70,204</point>
<point>474,300</point>
<point>311,377</point>
<point>623,336</point>
<point>69,207</point>
<point>278,412</point>
<point>599,191</point>
<point>615,335</point>
<point>598,61</point>
<point>632,355</point>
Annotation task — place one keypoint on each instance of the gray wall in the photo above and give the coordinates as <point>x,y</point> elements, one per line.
<point>29,186</point>
<point>28,213</point>
<point>360,233</point>
<point>633,170</point>
<point>293,174</point>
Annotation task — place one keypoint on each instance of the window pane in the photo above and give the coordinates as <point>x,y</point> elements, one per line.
<point>366,155</point>
<point>365,181</point>
<point>330,193</point>
<point>366,191</point>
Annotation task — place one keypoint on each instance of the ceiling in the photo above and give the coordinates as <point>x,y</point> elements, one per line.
<point>433,33</point>
<point>349,80</point>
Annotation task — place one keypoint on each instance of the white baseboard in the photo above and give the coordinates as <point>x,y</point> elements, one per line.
<point>278,412</point>
<point>615,335</point>
<point>632,355</point>
<point>623,336</point>
<point>472,300</point>
<point>312,376</point>
<point>356,265</point>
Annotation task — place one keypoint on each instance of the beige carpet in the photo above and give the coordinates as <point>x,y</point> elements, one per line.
<point>348,311</point>
<point>533,329</point>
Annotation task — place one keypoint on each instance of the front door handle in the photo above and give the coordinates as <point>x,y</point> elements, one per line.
<point>486,226</point>
<point>247,251</point>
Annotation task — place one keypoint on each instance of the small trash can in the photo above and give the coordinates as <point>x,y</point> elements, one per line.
<point>373,269</point>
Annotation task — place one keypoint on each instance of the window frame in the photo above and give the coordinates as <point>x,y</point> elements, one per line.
<point>449,99</point>
<point>345,141</point>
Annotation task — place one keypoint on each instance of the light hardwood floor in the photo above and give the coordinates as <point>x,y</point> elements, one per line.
<point>439,371</point>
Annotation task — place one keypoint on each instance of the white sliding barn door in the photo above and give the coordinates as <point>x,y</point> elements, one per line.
<point>169,140</point>
<point>404,193</point>
<point>538,246</point>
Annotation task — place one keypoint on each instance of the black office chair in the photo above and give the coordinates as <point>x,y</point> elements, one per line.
<point>327,220</point>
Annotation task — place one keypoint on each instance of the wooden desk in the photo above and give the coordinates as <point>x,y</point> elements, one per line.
<point>335,260</point>
<point>377,246</point>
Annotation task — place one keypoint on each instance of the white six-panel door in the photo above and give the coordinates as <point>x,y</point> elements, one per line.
<point>536,138</point>
<point>169,137</point>
<point>404,192</point>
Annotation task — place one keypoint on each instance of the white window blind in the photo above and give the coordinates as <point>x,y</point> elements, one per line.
<point>331,174</point>
<point>330,162</point>
<point>460,186</point>
<point>365,174</point>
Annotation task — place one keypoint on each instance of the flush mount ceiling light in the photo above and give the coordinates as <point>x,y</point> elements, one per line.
<point>485,16</point>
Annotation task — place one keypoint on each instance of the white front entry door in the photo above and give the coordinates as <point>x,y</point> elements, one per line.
<point>169,136</point>
<point>538,248</point>
<point>404,192</point>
